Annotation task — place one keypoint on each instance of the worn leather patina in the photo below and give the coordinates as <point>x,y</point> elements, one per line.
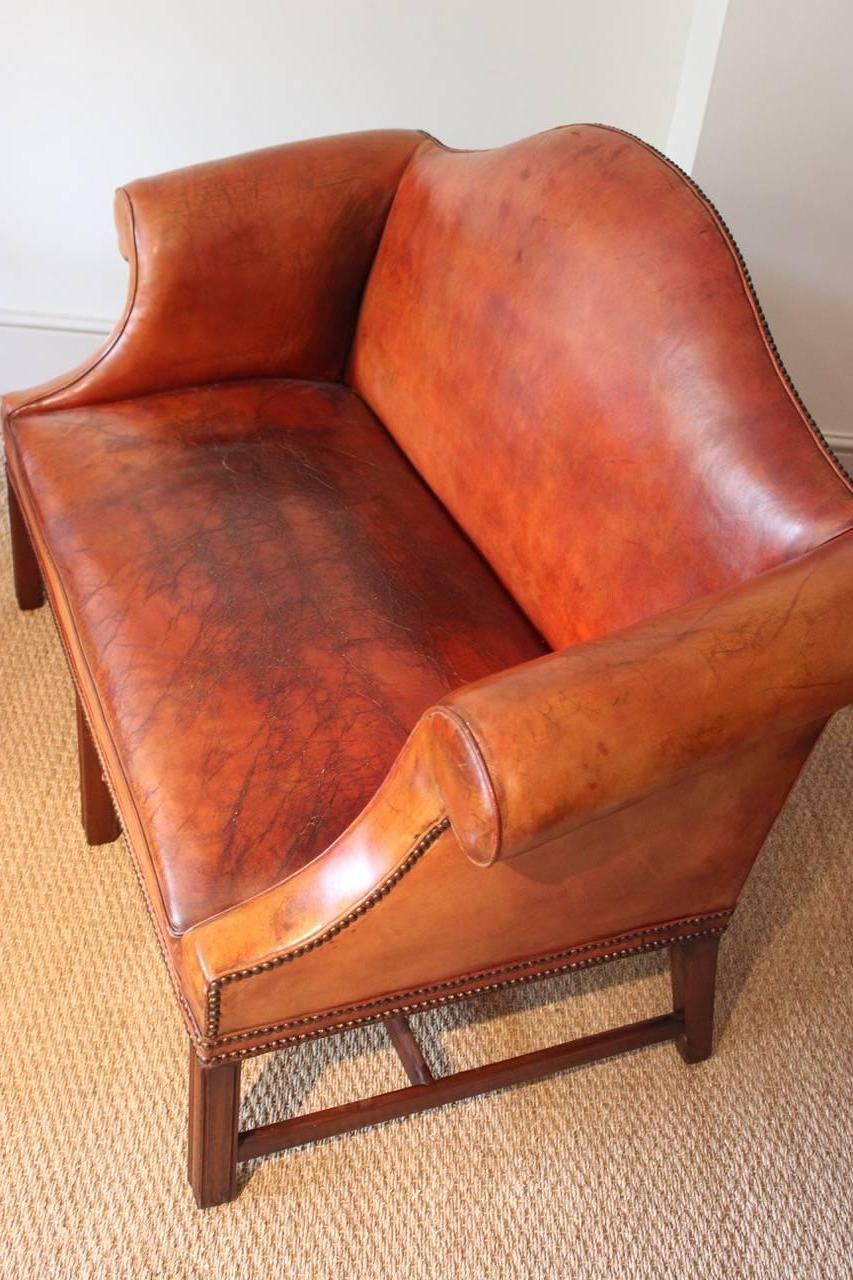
<point>268,596</point>
<point>453,581</point>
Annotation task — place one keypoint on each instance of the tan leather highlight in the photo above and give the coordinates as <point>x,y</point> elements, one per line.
<point>682,851</point>
<point>465,785</point>
<point>423,505</point>
<point>539,750</point>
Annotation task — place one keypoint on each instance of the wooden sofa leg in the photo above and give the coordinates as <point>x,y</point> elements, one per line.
<point>214,1115</point>
<point>97,813</point>
<point>29,588</point>
<point>693,965</point>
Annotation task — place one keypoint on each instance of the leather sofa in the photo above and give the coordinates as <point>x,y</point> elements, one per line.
<point>454,586</point>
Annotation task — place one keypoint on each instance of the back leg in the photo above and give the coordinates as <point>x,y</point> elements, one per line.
<point>693,964</point>
<point>96,804</point>
<point>29,588</point>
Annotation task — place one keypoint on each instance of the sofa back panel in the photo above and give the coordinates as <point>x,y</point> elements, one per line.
<point>559,335</point>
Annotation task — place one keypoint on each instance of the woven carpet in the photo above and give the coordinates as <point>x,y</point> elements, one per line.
<point>639,1167</point>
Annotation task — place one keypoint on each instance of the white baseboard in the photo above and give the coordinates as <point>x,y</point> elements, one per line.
<point>35,346</point>
<point>839,443</point>
<point>45,320</point>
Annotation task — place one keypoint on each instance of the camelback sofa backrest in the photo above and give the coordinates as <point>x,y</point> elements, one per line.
<point>562,337</point>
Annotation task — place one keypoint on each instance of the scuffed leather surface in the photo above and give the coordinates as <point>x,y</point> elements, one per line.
<point>564,320</point>
<point>251,266</point>
<point>525,756</point>
<point>268,597</point>
<point>260,596</point>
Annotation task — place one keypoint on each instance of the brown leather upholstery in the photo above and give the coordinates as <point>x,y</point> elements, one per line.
<point>387,918</point>
<point>530,754</point>
<point>571,311</point>
<point>261,626</point>
<point>312,696</point>
<point>242,268</point>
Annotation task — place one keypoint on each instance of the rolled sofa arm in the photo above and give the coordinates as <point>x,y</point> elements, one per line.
<point>252,266</point>
<point>526,756</point>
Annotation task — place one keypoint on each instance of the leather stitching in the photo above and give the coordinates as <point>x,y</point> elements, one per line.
<point>454,996</point>
<point>669,930</point>
<point>414,855</point>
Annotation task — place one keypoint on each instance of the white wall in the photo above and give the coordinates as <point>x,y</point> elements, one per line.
<point>98,92</point>
<point>101,91</point>
<point>697,71</point>
<point>775,155</point>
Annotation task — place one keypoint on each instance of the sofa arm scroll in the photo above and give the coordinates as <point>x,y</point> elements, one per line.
<point>247,267</point>
<point>534,752</point>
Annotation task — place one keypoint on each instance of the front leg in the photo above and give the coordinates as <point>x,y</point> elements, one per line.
<point>693,965</point>
<point>214,1115</point>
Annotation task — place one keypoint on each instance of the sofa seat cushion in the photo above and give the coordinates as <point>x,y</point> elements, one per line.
<point>266,596</point>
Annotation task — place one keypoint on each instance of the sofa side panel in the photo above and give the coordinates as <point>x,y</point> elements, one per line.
<point>682,853</point>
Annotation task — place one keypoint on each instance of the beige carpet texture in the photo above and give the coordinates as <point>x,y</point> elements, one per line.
<point>638,1167</point>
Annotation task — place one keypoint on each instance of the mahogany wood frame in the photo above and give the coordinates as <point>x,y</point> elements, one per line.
<point>216,1145</point>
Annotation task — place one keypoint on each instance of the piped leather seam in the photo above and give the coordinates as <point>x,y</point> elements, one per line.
<point>452,997</point>
<point>213,996</point>
<point>669,929</point>
<point>487,774</point>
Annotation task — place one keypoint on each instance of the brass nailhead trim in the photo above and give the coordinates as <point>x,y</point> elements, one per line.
<point>670,930</point>
<point>214,990</point>
<point>213,994</point>
<point>454,997</point>
<point>517,967</point>
<point>768,337</point>
<point>741,261</point>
